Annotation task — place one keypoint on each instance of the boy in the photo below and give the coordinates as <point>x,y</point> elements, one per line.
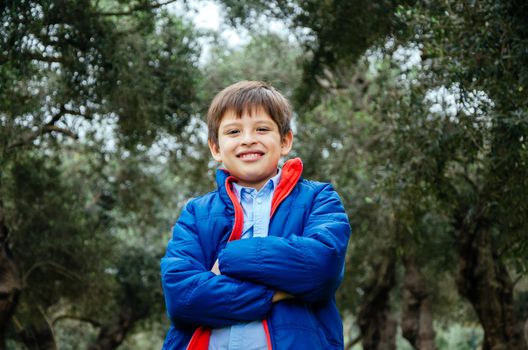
<point>255,264</point>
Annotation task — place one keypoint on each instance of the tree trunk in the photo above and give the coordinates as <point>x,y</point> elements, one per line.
<point>526,331</point>
<point>9,281</point>
<point>417,320</point>
<point>377,325</point>
<point>484,280</point>
<point>113,333</point>
<point>38,336</point>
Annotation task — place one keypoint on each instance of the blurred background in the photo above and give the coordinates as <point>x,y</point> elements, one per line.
<point>417,112</point>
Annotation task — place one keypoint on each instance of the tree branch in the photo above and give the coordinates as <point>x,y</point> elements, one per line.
<point>518,279</point>
<point>69,133</point>
<point>77,318</point>
<point>59,268</point>
<point>4,232</point>
<point>40,57</point>
<point>57,116</point>
<point>351,343</point>
<point>34,56</point>
<point>46,129</point>
<point>139,7</point>
<point>466,178</point>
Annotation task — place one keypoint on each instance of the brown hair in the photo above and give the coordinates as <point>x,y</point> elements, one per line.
<point>246,96</point>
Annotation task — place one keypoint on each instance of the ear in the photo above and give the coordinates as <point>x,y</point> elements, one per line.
<point>287,143</point>
<point>215,151</point>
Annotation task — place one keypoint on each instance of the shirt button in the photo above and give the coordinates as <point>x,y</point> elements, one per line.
<point>259,201</point>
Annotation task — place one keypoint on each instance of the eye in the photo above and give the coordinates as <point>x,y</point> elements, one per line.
<point>232,132</point>
<point>263,129</point>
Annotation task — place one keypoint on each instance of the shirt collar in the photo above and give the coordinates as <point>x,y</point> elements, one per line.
<point>272,183</point>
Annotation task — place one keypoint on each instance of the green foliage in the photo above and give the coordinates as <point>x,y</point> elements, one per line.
<point>412,148</point>
<point>459,336</point>
<point>155,80</point>
<point>267,57</point>
<point>53,233</point>
<point>330,32</point>
<point>78,62</point>
<point>481,155</point>
<point>87,218</point>
<point>431,144</point>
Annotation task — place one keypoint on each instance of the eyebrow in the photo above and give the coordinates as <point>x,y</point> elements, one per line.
<point>229,125</point>
<point>237,124</point>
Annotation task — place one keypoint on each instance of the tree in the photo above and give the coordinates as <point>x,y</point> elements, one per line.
<point>268,56</point>
<point>429,156</point>
<point>94,81</point>
<point>469,162</point>
<point>462,163</point>
<point>479,47</point>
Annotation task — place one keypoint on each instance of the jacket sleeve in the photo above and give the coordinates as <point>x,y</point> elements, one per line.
<point>196,296</point>
<point>309,266</point>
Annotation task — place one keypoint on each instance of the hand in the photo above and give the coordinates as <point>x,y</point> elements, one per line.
<point>216,268</point>
<point>280,295</point>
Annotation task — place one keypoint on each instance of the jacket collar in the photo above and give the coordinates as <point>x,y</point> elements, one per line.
<point>291,173</point>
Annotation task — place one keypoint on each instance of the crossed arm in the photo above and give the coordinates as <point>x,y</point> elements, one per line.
<point>278,295</point>
<point>196,296</point>
<point>253,275</point>
<point>310,266</point>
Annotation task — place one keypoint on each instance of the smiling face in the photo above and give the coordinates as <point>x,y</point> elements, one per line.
<point>250,147</point>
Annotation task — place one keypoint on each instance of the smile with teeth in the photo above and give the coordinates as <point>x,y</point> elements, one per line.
<point>253,155</point>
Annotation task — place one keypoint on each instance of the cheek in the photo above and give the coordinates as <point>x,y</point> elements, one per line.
<point>229,146</point>
<point>224,144</point>
<point>274,142</point>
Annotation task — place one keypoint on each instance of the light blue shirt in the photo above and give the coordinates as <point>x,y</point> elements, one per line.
<point>257,207</point>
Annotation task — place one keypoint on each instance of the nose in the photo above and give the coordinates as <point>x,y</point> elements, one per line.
<point>248,138</point>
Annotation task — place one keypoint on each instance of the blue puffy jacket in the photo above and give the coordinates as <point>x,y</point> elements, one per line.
<point>303,255</point>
